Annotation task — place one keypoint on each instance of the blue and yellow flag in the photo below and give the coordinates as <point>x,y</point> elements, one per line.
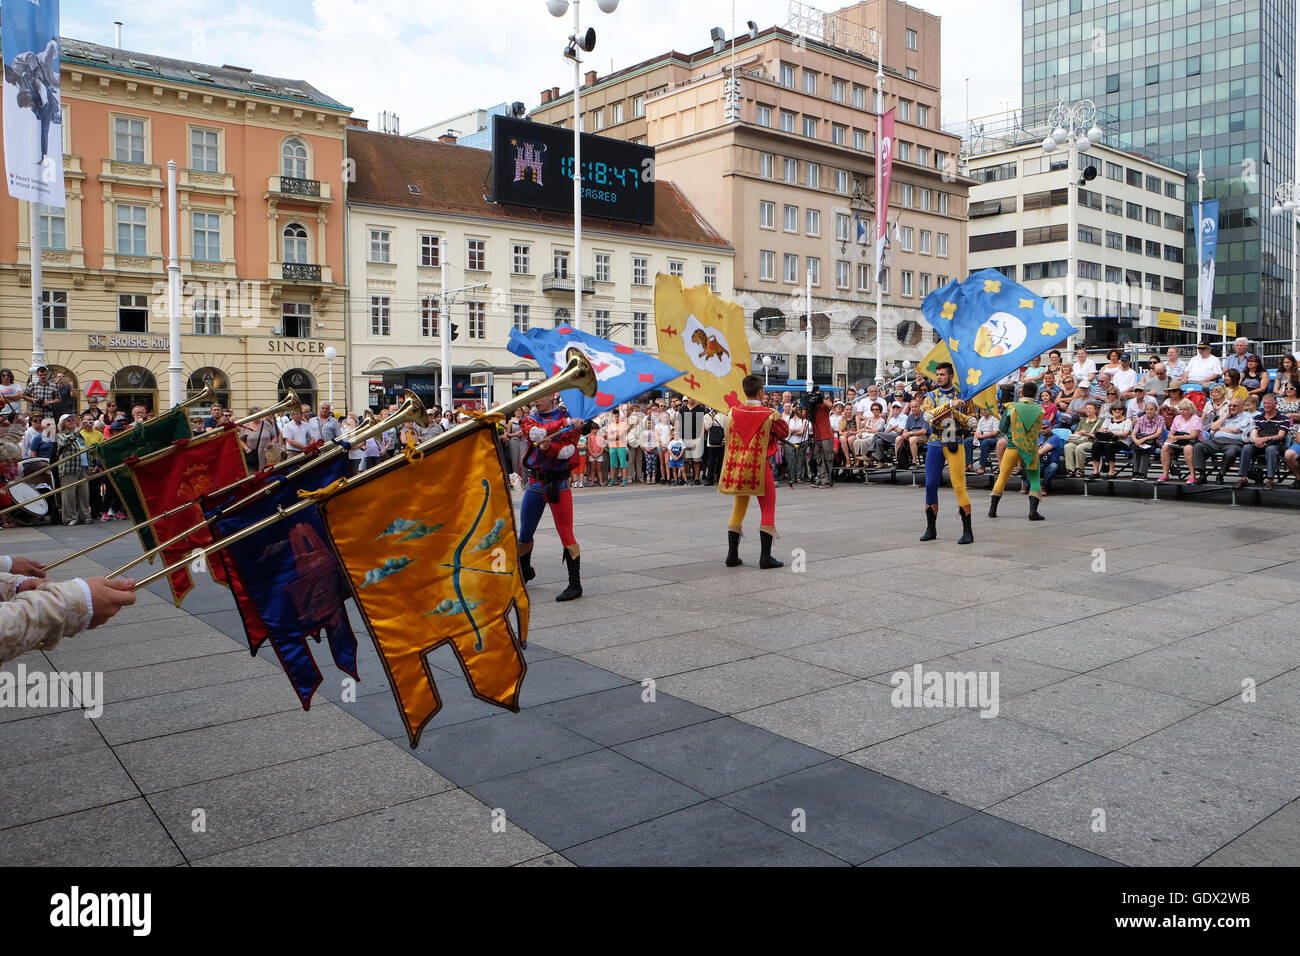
<point>992,326</point>
<point>986,401</point>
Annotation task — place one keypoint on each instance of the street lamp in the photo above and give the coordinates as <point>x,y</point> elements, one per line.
<point>767,364</point>
<point>1073,127</point>
<point>331,353</point>
<point>1287,200</point>
<point>584,42</point>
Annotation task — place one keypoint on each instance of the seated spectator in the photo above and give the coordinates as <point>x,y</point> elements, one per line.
<point>1292,457</point>
<point>1084,368</point>
<point>1232,384</point>
<point>1125,379</point>
<point>1288,400</point>
<point>1034,371</point>
<point>1112,397</point>
<point>907,448</point>
<point>1156,382</point>
<point>1216,404</point>
<point>1204,368</point>
<point>1269,438</point>
<point>1049,409</point>
<point>1255,378</point>
<point>1287,371</point>
<point>1108,438</point>
<point>1050,449</point>
<point>1175,367</point>
<point>1048,387</point>
<point>895,425</point>
<point>1173,397</point>
<point>1184,432</point>
<point>1101,386</point>
<point>1136,406</point>
<point>1112,365</point>
<point>1054,363</point>
<point>1079,444</point>
<point>1148,433</point>
<point>986,437</point>
<point>871,428</point>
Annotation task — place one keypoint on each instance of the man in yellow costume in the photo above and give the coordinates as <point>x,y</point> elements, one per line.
<point>753,430</point>
<point>943,412</point>
<point>1021,423</point>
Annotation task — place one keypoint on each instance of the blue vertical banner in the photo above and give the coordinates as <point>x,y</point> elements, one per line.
<point>32,104</point>
<point>1207,236</point>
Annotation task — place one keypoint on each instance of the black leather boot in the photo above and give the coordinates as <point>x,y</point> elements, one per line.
<point>733,548</point>
<point>526,565</point>
<point>930,532</point>
<point>967,535</point>
<point>1033,509</point>
<point>574,590</point>
<point>765,560</point>
<point>993,505</point>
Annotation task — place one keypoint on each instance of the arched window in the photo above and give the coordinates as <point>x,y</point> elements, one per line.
<point>561,317</point>
<point>301,381</point>
<point>293,158</point>
<point>133,386</point>
<point>209,376</point>
<point>295,243</point>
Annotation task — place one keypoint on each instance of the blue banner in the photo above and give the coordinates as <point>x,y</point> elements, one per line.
<point>623,372</point>
<point>1207,233</point>
<point>33,106</point>
<point>992,326</point>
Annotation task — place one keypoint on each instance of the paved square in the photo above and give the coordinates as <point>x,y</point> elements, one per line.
<point>684,713</point>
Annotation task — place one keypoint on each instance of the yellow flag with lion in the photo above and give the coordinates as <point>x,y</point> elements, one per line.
<point>703,336</point>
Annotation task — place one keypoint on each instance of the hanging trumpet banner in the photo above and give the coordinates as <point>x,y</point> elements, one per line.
<point>137,442</point>
<point>430,551</point>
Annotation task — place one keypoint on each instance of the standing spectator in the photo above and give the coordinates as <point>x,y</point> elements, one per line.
<point>432,427</point>
<point>258,437</point>
<point>1184,433</point>
<point>690,429</point>
<point>1269,438</point>
<point>515,439</point>
<point>74,464</point>
<point>616,433</point>
<point>139,415</point>
<point>635,453</point>
<point>663,435</point>
<point>650,449</point>
<point>295,434</point>
<point>42,394</point>
<point>91,436</point>
<point>93,409</point>
<point>823,440</point>
<point>1084,368</point>
<point>676,461</point>
<point>1148,430</point>
<point>1175,367</point>
<point>66,405</point>
<point>1205,368</point>
<point>800,431</point>
<point>596,456</point>
<point>1079,445</point>
<point>1107,439</point>
<point>10,394</point>
<point>986,438</point>
<point>213,421</point>
<point>1237,358</point>
<point>578,471</point>
<point>715,440</point>
<point>324,427</point>
<point>356,454</point>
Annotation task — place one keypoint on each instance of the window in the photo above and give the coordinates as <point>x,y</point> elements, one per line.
<point>859,97</point>
<point>296,320</point>
<point>638,105</point>
<point>1152,74</point>
<point>1153,216</point>
<point>1112,83</point>
<point>813,221</point>
<point>766,214</point>
<point>905,111</point>
<point>791,171</point>
<point>293,159</point>
<point>907,283</point>
<point>1171,190</point>
<point>1089,270</point>
<point>1133,177</point>
<point>924,196</point>
<point>1036,235</point>
<point>603,262</point>
<point>905,152</point>
<point>1153,249</point>
<point>131,230</point>
<point>676,267</point>
<point>1045,270</point>
<point>207,236</point>
<point>560,263</point>
<point>711,277</point>
<point>1173,222</point>
<point>616,114</point>
<point>1133,211</point>
<point>813,174</point>
<point>561,317</point>
<point>839,89</point>
<point>911,73</point>
<point>54,309</point>
<point>922,115</point>
<point>767,265</point>
<point>810,82</point>
<point>1173,253</point>
<point>911,39</point>
<point>520,259</point>
<point>905,238</point>
<point>430,251</point>
<point>1045,199</point>
<point>884,282</point>
<point>429,314</point>
<point>791,267</point>
<point>839,134</point>
<point>925,284</point>
<point>941,247</point>
<point>1089,235</point>
<point>925,242</point>
<point>787,121</point>
<point>1153,184</point>
<point>1089,199</point>
<point>640,325</point>
<point>477,320</point>
<point>380,315</point>
<point>907,196</point>
<point>295,243</point>
<point>787,75</point>
<point>815,268</point>
<point>640,270</point>
<point>602,323</point>
<point>943,204</point>
<point>379,241</point>
<point>993,240</point>
<point>207,316</point>
<point>1114,206</point>
<point>810,127</point>
<point>128,140</point>
<point>132,313</point>
<point>597,120</point>
<point>204,150</point>
<point>841,274</point>
<point>767,165</point>
<point>1114,171</point>
<point>1114,240</point>
<point>994,174</point>
<point>54,227</point>
<point>476,255</point>
<point>1133,244</point>
<point>864,277</point>
<point>922,156</point>
<point>791,223</point>
<point>860,140</point>
<point>841,227</point>
<point>764,115</point>
<point>1114,275</point>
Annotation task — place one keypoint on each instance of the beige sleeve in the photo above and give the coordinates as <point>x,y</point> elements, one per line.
<point>9,585</point>
<point>46,615</point>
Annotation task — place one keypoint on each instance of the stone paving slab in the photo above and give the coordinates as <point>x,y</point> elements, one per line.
<point>982,840</point>
<point>123,833</point>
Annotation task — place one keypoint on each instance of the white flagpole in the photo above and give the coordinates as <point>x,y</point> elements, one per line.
<point>38,286</point>
<point>175,382</point>
<point>1200,205</point>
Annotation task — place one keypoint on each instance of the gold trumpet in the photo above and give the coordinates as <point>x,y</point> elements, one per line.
<point>411,410</point>
<point>208,393</point>
<point>577,374</point>
<point>290,400</point>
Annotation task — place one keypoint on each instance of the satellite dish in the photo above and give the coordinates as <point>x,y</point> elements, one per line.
<point>588,41</point>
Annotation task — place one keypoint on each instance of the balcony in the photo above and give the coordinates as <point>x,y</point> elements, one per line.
<point>564,282</point>
<point>300,272</point>
<point>301,190</point>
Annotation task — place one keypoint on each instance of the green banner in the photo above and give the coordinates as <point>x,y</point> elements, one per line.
<point>136,442</point>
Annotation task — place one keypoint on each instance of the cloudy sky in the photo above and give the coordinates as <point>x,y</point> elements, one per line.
<point>428,61</point>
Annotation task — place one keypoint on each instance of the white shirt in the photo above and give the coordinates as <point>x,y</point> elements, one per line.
<point>296,431</point>
<point>863,405</point>
<point>1085,372</point>
<point>799,428</point>
<point>1124,380</point>
<point>1202,368</point>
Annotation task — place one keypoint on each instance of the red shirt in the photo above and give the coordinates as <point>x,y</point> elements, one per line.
<point>821,422</point>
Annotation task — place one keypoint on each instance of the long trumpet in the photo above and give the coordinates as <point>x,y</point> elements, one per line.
<point>290,400</point>
<point>577,374</point>
<point>208,393</point>
<point>411,410</point>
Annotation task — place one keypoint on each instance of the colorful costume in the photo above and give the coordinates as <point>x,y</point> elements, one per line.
<point>752,435</point>
<point>552,448</point>
<point>1021,423</point>
<point>947,432</point>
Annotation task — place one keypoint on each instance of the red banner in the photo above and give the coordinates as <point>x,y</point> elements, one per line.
<point>884,166</point>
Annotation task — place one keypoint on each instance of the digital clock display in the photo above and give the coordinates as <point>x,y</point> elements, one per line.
<point>533,165</point>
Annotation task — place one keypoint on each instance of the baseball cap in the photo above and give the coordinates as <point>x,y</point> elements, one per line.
<point>42,368</point>
<point>896,405</point>
<point>1203,345</point>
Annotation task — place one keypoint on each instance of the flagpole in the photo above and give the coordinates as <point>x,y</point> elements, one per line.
<point>808,336</point>
<point>445,331</point>
<point>174,368</point>
<point>1200,205</point>
<point>38,288</point>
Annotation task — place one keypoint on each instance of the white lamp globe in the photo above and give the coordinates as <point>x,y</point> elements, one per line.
<point>1095,134</point>
<point>1083,144</point>
<point>558,8</point>
<point>331,353</point>
<point>1049,145</point>
<point>607,6</point>
<point>1278,210</point>
<point>1059,136</point>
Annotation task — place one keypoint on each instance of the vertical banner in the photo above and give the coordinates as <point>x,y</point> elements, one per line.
<point>1207,230</point>
<point>884,166</point>
<point>33,107</point>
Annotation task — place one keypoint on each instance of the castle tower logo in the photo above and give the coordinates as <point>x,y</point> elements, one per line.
<point>528,161</point>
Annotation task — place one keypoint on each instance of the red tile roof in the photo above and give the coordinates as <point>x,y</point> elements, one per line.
<point>457,179</point>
